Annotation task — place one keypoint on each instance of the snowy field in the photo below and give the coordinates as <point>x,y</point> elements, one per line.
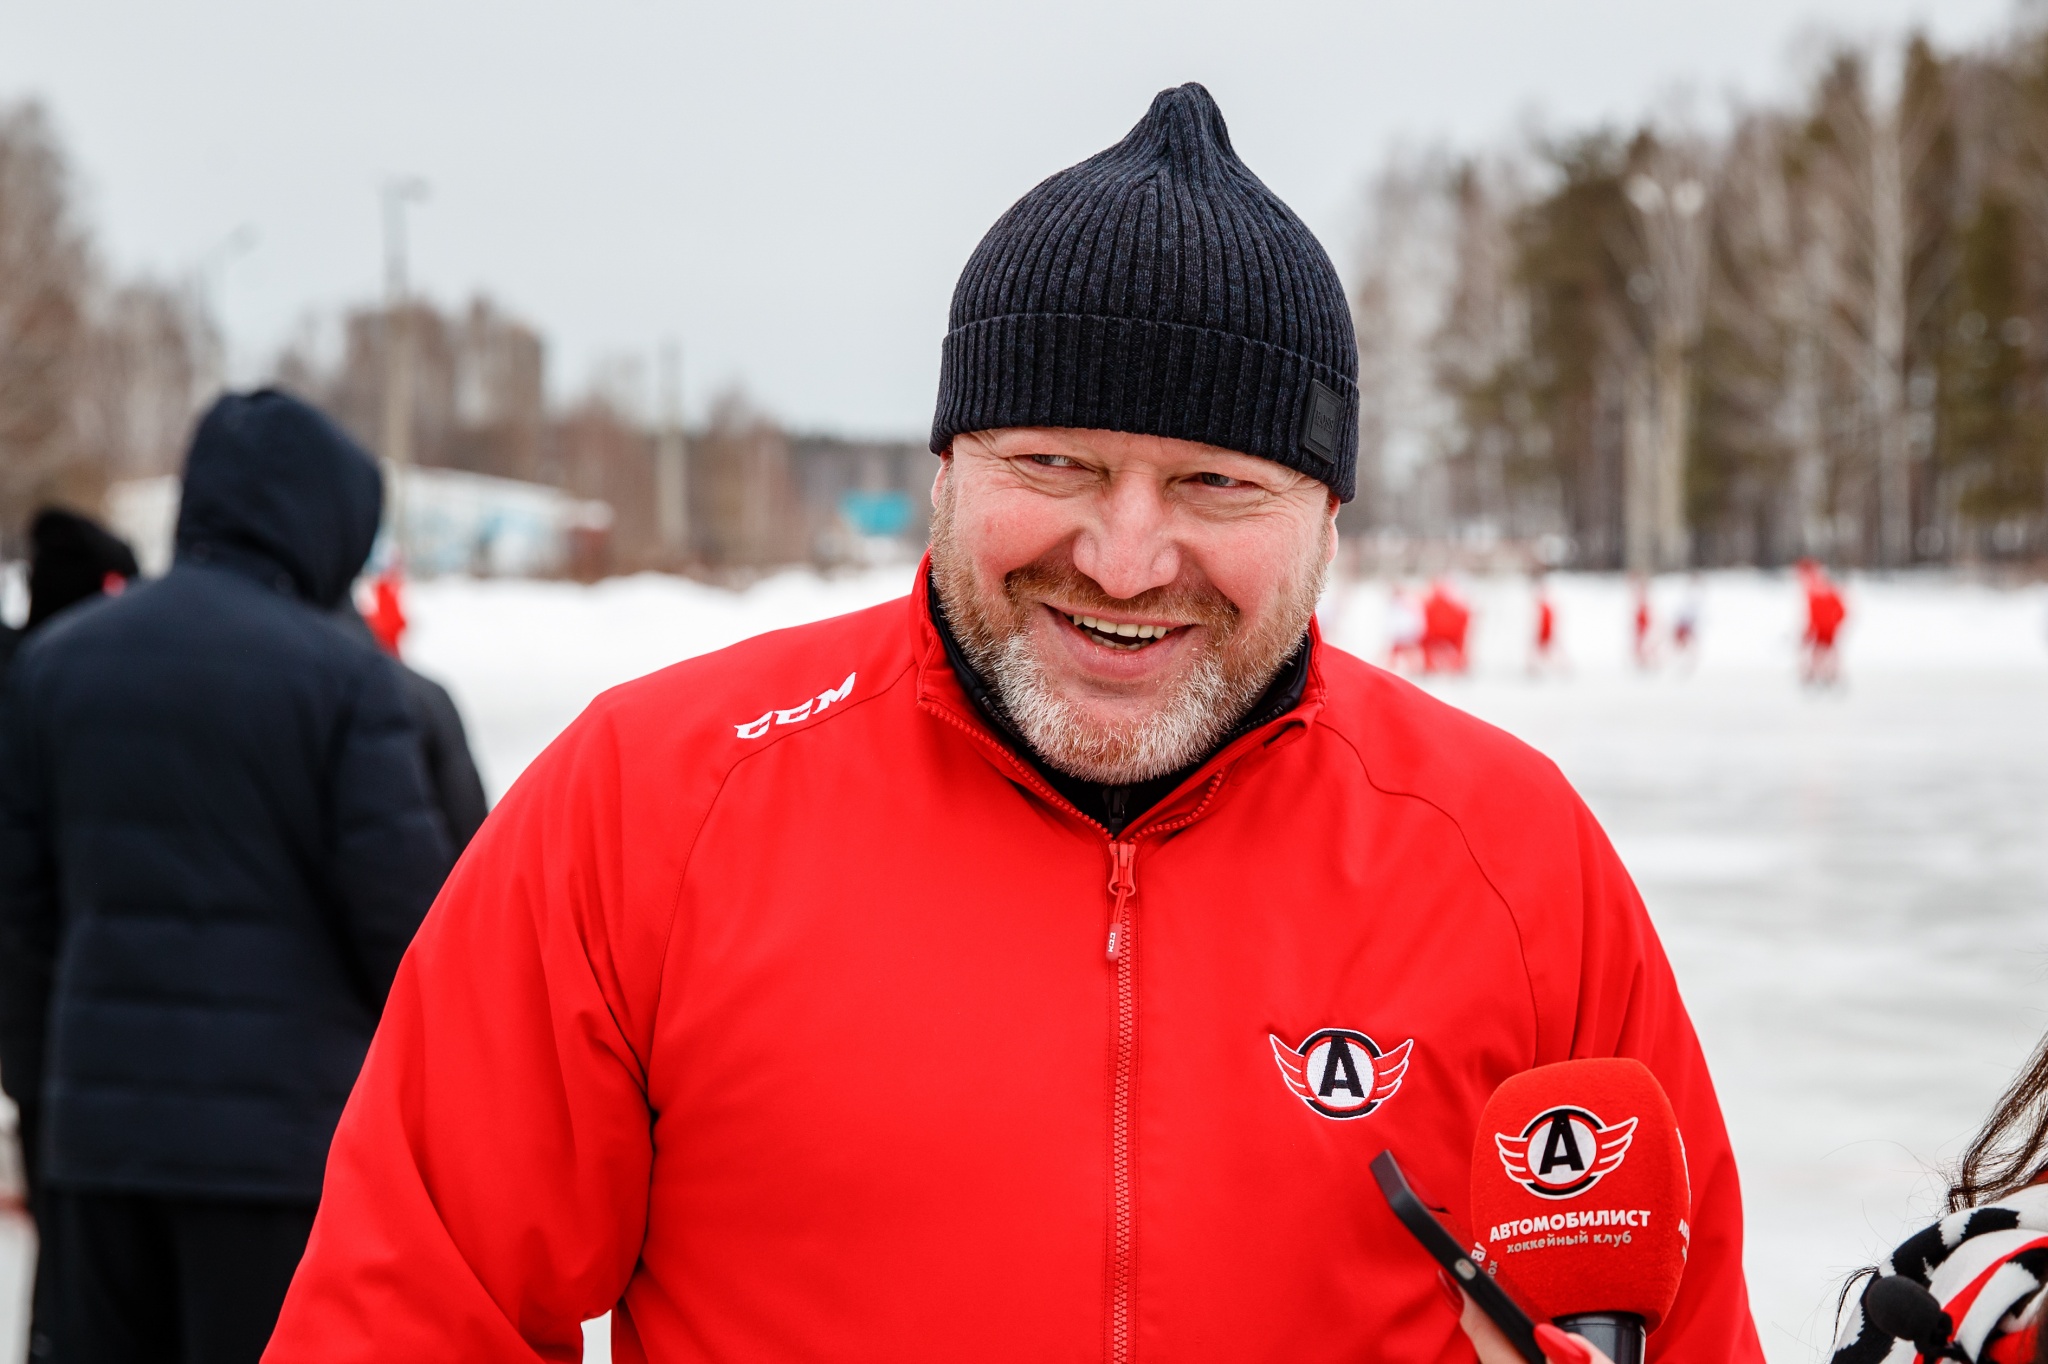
<point>1853,886</point>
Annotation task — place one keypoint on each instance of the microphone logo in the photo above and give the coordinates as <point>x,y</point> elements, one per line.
<point>1340,1072</point>
<point>1564,1151</point>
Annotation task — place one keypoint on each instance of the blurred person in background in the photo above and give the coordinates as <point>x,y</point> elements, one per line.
<point>1984,1264</point>
<point>1445,622</point>
<point>71,559</point>
<point>386,617</point>
<point>1027,969</point>
<point>444,743</point>
<point>215,844</point>
<point>1642,624</point>
<point>1544,655</point>
<point>1685,625</point>
<point>1820,664</point>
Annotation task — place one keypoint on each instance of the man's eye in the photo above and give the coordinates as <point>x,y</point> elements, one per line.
<point>1218,481</point>
<point>1053,461</point>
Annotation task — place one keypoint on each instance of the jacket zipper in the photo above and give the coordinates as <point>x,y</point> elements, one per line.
<point>1123,942</point>
<point>1123,888</point>
<point>1123,885</point>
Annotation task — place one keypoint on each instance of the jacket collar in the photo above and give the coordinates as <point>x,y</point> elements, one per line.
<point>939,692</point>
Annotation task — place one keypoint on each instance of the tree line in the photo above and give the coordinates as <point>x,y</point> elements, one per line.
<point>98,374</point>
<point>1822,331</point>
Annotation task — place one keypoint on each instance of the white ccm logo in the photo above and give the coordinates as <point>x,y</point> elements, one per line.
<point>754,729</point>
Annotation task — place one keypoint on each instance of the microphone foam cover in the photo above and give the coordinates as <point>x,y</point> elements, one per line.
<point>1580,1198</point>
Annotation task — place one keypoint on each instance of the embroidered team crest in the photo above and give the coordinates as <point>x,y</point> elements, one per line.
<point>1564,1151</point>
<point>1341,1073</point>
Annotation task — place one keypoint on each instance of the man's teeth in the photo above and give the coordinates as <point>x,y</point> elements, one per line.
<point>1123,629</point>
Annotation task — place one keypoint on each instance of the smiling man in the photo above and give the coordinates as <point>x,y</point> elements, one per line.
<point>1027,970</point>
<point>1118,603</point>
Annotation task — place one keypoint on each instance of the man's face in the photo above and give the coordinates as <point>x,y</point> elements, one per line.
<point>1129,597</point>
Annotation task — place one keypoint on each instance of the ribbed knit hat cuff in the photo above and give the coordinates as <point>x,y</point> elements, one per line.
<point>1147,377</point>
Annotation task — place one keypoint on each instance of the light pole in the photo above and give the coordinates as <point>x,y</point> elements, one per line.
<point>398,193</point>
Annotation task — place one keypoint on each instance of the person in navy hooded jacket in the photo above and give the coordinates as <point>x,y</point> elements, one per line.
<point>216,842</point>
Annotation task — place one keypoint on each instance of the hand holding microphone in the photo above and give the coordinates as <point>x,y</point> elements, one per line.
<point>1580,1208</point>
<point>1558,1347</point>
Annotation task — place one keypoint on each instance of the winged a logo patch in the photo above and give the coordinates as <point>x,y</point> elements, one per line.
<point>1564,1151</point>
<point>1340,1072</point>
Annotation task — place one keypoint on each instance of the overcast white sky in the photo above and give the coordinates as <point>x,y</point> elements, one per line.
<point>788,186</point>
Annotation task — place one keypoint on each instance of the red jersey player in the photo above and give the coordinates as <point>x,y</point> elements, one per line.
<point>1645,646</point>
<point>1820,665</point>
<point>1445,621</point>
<point>1543,654</point>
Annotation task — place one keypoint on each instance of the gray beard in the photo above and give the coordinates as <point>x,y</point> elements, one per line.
<point>1203,706</point>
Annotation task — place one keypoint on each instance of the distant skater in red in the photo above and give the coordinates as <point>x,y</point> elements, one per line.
<point>1445,620</point>
<point>1820,665</point>
<point>1645,645</point>
<point>386,616</point>
<point>1543,653</point>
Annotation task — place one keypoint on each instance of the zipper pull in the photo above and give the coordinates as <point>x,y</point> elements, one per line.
<point>1123,884</point>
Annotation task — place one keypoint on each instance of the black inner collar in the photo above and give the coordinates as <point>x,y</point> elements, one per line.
<point>1115,807</point>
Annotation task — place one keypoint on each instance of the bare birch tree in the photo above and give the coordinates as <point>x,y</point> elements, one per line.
<point>1871,151</point>
<point>45,278</point>
<point>1403,286</point>
<point>1758,477</point>
<point>149,368</point>
<point>1496,444</point>
<point>1668,190</point>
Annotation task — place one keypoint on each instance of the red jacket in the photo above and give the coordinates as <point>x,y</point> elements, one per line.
<point>776,1006</point>
<point>1824,614</point>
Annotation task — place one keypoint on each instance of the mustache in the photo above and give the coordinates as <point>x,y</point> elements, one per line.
<point>1194,603</point>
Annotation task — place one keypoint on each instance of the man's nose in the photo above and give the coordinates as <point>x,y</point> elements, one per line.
<point>1127,547</point>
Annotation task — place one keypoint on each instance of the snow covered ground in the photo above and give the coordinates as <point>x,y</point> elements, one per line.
<point>1853,886</point>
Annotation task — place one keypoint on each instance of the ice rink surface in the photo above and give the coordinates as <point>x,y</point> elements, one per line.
<point>1853,886</point>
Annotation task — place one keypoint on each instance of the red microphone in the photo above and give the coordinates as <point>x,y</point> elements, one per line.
<point>1580,1199</point>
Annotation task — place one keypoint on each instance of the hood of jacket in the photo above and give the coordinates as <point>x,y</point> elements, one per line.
<point>271,475</point>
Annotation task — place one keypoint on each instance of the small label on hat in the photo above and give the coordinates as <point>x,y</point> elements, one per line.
<point>1322,423</point>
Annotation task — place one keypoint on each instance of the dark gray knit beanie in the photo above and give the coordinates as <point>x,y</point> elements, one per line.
<point>1158,287</point>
